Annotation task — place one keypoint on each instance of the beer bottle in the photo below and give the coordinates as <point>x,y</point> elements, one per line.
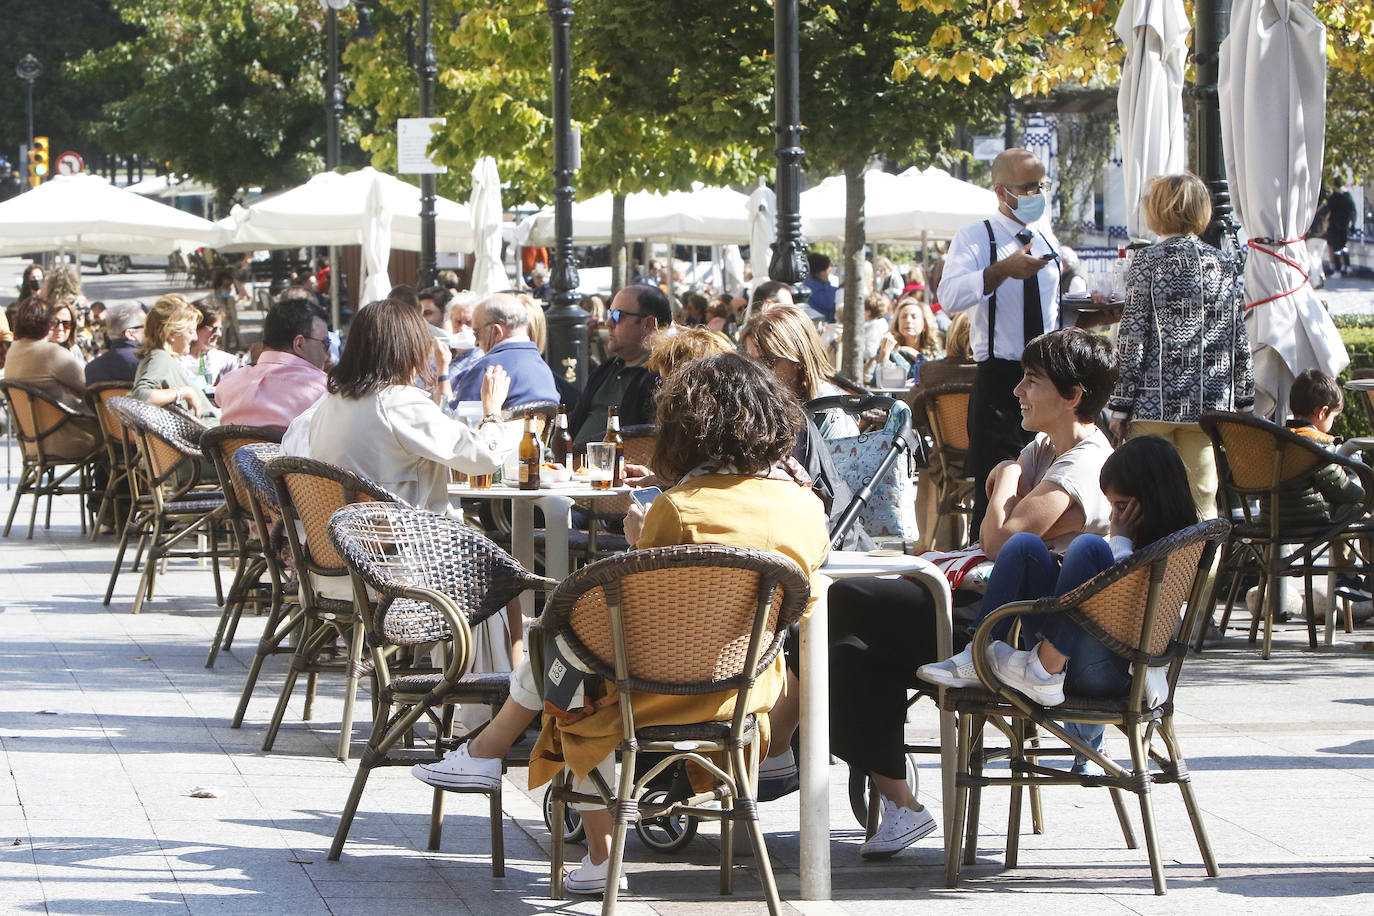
<point>613,435</point>
<point>562,442</point>
<point>531,453</point>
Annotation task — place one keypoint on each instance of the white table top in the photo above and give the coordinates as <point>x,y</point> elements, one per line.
<point>572,490</point>
<point>852,564</point>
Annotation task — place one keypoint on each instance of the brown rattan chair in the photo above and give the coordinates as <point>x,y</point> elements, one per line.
<point>1134,609</point>
<point>284,616</point>
<point>176,502</point>
<point>118,452</point>
<point>434,579</point>
<point>731,608</point>
<point>220,444</point>
<point>40,424</point>
<point>946,411</point>
<point>308,493</point>
<point>1256,461</point>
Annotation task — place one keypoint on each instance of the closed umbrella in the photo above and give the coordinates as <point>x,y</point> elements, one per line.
<point>1149,102</point>
<point>484,207</point>
<point>376,243</point>
<point>1272,83</point>
<point>762,208</point>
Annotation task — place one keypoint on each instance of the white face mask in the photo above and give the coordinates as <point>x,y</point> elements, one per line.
<point>463,341</point>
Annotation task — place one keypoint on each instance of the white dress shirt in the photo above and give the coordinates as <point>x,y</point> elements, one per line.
<point>961,285</point>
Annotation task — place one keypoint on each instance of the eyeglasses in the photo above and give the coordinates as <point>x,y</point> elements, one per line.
<point>318,340</point>
<point>134,327</point>
<point>1034,187</point>
<point>614,315</point>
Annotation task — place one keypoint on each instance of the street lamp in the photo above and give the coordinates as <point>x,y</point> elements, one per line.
<point>566,319</point>
<point>429,70</point>
<point>333,115</point>
<point>789,253</point>
<point>1213,24</point>
<point>29,70</point>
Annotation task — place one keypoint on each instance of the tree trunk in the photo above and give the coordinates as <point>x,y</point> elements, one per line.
<point>851,352</point>
<point>617,243</point>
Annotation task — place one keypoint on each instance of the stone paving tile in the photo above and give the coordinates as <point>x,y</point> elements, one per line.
<point>100,795</point>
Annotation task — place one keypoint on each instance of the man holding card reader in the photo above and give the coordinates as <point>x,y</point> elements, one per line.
<point>1004,271</point>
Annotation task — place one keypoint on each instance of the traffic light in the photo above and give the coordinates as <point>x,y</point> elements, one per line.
<point>38,161</point>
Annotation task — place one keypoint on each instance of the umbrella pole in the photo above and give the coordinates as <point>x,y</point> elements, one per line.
<point>333,287</point>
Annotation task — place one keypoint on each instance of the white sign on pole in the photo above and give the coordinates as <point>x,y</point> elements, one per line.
<point>986,149</point>
<point>412,145</point>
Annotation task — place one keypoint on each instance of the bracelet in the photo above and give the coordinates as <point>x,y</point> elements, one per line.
<point>490,418</point>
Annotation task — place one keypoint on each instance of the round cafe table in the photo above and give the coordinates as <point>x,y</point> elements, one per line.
<point>556,501</point>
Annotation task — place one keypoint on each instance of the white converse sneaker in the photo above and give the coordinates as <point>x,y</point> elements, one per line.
<point>588,880</point>
<point>1021,670</point>
<point>460,770</point>
<point>900,828</point>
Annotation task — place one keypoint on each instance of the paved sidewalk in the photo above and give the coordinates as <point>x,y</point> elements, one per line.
<point>110,722</point>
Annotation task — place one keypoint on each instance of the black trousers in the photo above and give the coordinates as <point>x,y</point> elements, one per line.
<point>994,427</point>
<point>881,631</point>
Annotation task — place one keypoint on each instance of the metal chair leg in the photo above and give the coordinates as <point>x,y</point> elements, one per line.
<point>624,813</point>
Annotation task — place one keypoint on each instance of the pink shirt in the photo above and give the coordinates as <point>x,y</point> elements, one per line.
<point>271,393</point>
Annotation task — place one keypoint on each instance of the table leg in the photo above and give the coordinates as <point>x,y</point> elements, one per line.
<point>814,764</point>
<point>557,523</point>
<point>522,545</point>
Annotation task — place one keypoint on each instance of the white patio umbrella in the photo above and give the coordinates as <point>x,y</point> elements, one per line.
<point>762,208</point>
<point>897,208</point>
<point>87,213</point>
<point>484,207</point>
<point>701,216</point>
<point>1149,102</point>
<point>1273,104</point>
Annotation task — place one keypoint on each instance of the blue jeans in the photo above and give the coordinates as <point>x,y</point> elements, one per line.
<point>1026,569</point>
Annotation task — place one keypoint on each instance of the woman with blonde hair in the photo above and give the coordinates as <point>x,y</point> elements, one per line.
<point>786,342</point>
<point>672,353</point>
<point>161,380</point>
<point>913,339</point>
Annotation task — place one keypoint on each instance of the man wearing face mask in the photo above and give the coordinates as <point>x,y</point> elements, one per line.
<point>502,329</point>
<point>1004,271</point>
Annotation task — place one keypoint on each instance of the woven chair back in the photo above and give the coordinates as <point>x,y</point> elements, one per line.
<point>220,444</point>
<point>1261,456</point>
<point>690,616</point>
<point>167,440</point>
<point>250,468</point>
<point>37,416</point>
<point>947,408</point>
<point>1123,609</point>
<point>396,548</point>
<point>545,412</point>
<point>309,492</point>
<point>98,397</point>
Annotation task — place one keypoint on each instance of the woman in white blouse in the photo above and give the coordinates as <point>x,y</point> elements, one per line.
<point>377,422</point>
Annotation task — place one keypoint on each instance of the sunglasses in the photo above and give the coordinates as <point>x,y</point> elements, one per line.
<point>59,324</point>
<point>614,315</point>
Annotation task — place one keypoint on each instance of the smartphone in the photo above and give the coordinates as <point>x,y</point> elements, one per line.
<point>645,495</point>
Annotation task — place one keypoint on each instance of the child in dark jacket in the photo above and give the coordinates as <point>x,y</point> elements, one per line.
<point>1328,494</point>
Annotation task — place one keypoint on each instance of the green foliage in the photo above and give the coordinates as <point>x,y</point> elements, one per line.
<point>231,93</point>
<point>1357,333</point>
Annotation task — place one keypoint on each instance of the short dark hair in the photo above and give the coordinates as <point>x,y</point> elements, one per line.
<point>388,344</point>
<point>652,301</point>
<point>767,290</point>
<point>30,321</point>
<point>209,311</point>
<point>441,296</point>
<point>405,294</point>
<point>1313,390</point>
<point>817,262</point>
<point>288,318</point>
<point>1072,358</point>
<point>724,410</point>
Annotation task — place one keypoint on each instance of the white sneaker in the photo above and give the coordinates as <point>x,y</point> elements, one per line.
<point>900,828</point>
<point>460,770</point>
<point>588,880</point>
<point>1021,670</point>
<point>955,671</point>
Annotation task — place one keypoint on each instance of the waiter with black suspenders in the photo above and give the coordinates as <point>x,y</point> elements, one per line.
<point>1005,272</point>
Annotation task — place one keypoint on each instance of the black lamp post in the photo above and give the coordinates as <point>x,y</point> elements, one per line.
<point>789,252</point>
<point>428,71</point>
<point>1212,26</point>
<point>567,350</point>
<point>333,115</point>
<point>29,70</point>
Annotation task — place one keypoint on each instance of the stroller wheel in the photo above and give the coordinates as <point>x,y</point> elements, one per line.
<point>573,831</point>
<point>860,787</point>
<point>665,834</point>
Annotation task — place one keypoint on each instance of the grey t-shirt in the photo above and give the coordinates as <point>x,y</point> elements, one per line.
<point>1076,472</point>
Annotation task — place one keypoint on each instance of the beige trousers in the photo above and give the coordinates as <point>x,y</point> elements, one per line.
<point>1195,448</point>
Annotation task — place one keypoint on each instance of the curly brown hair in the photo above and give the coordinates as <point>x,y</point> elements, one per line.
<point>671,353</point>
<point>724,410</point>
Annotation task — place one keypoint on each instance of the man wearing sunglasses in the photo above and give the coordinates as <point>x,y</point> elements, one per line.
<point>123,335</point>
<point>1004,271</point>
<point>636,314</point>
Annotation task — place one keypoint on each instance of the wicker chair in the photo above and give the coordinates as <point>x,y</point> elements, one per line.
<point>434,579</point>
<point>39,420</point>
<point>946,411</point>
<point>545,412</point>
<point>308,493</point>
<point>1134,609</point>
<point>118,447</point>
<point>616,616</point>
<point>174,502</point>
<point>1256,459</point>
<point>250,565</point>
<point>284,616</point>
